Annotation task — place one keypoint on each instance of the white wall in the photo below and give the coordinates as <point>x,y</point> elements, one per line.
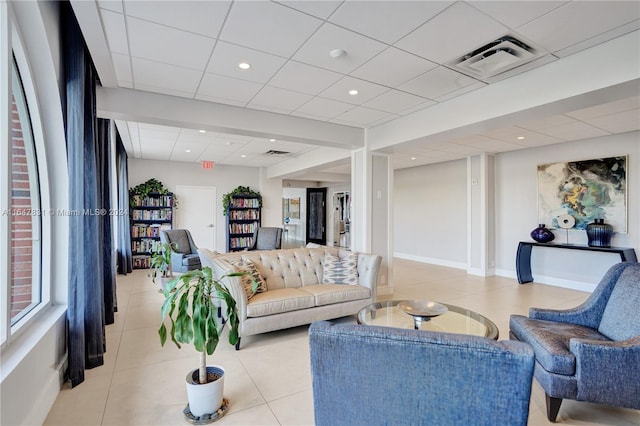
<point>431,201</point>
<point>430,213</point>
<point>223,178</point>
<point>517,214</point>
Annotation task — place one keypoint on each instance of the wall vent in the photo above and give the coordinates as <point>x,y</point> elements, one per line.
<point>501,55</point>
<point>273,152</point>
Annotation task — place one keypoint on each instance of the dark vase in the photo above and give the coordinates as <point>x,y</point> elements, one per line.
<point>542,234</point>
<point>599,234</point>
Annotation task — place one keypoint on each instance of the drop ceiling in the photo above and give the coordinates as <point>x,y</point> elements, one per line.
<point>399,57</point>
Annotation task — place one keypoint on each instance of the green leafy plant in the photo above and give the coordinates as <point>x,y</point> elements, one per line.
<point>241,190</point>
<point>152,186</point>
<point>161,260</point>
<point>191,305</point>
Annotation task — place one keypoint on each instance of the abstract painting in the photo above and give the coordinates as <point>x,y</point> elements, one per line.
<point>586,190</point>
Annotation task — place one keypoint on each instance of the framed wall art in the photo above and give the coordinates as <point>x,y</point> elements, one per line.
<point>585,190</point>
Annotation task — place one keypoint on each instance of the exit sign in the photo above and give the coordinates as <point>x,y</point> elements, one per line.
<point>207,164</point>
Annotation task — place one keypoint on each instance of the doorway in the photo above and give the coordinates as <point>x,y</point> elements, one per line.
<point>197,212</point>
<point>341,219</point>
<point>316,217</point>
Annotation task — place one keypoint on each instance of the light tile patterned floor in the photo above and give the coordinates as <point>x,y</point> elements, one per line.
<point>268,381</point>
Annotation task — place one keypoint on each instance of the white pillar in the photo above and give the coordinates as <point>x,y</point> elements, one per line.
<point>481,215</point>
<point>372,195</point>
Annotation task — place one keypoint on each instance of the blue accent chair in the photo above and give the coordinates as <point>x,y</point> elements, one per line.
<point>370,375</point>
<point>591,352</point>
<point>184,253</point>
<point>266,239</point>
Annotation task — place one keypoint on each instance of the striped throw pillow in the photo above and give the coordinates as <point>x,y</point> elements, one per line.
<point>340,271</point>
<point>245,265</point>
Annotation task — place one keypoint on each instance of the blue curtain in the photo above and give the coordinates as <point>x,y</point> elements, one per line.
<point>91,296</point>
<point>125,259</point>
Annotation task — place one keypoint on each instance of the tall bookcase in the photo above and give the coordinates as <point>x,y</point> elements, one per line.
<point>243,218</point>
<point>149,215</point>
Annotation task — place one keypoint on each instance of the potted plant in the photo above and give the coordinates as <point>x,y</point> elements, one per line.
<point>191,307</point>
<point>161,263</point>
<point>240,190</point>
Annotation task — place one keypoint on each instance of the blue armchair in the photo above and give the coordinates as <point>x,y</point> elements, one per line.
<point>184,253</point>
<point>591,352</point>
<point>364,375</point>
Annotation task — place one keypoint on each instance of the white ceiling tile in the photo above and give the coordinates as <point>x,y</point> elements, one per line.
<point>577,21</point>
<point>515,13</point>
<point>200,17</point>
<point>226,58</point>
<point>122,66</point>
<point>222,87</point>
<point>383,120</point>
<point>163,44</point>
<point>366,91</point>
<point>620,122</point>
<point>323,108</point>
<point>113,5</point>
<point>461,91</point>
<point>304,78</point>
<point>543,123</point>
<point>422,106</point>
<point>573,131</point>
<point>170,78</point>
<point>116,31</point>
<point>395,101</point>
<point>393,67</point>
<point>362,116</point>
<point>453,33</point>
<point>329,37</point>
<point>436,83</point>
<point>268,26</point>
<point>282,99</point>
<point>600,38</point>
<point>387,21</point>
<point>321,9</point>
<point>606,109</point>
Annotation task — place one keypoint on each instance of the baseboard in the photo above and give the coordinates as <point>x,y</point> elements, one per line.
<point>481,272</point>
<point>43,402</point>
<point>554,281</point>
<point>431,260</point>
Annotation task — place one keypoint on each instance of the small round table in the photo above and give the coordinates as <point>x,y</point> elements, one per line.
<point>455,320</point>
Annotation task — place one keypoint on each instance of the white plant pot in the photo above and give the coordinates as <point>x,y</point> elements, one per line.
<point>207,398</point>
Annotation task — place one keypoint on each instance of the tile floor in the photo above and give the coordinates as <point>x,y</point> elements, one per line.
<point>268,381</point>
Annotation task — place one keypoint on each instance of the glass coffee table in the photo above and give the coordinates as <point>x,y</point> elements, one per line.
<point>455,320</point>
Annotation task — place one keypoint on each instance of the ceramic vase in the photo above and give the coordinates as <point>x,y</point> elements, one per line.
<point>599,234</point>
<point>542,234</point>
<point>206,398</point>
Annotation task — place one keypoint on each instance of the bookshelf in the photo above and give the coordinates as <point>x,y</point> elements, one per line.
<point>149,216</point>
<point>243,218</point>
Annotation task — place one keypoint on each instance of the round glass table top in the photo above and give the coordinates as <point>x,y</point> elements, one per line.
<point>454,320</point>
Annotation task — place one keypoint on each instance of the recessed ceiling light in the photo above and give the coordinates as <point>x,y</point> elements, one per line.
<point>353,92</point>
<point>203,131</point>
<point>338,53</point>
<point>187,150</point>
<point>272,140</point>
<point>520,138</point>
<point>244,66</point>
<point>413,158</point>
<point>243,156</point>
<point>229,143</point>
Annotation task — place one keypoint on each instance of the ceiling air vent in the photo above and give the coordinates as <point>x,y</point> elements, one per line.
<point>503,54</point>
<point>276,153</point>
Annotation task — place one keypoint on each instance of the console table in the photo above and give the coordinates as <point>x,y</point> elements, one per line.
<point>523,257</point>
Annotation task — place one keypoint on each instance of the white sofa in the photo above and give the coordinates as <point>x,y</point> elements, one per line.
<point>295,295</point>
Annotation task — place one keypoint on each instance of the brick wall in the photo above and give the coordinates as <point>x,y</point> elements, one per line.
<point>21,223</point>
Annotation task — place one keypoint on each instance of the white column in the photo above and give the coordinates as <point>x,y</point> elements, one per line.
<point>372,195</point>
<point>481,215</point>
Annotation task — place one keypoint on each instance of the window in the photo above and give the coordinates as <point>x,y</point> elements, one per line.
<point>21,217</point>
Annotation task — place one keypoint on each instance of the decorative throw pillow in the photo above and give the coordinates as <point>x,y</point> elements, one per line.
<point>340,271</point>
<point>252,273</point>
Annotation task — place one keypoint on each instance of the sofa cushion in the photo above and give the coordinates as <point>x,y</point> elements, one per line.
<point>327,294</point>
<point>191,260</point>
<point>279,301</point>
<point>252,274</point>
<point>180,242</point>
<point>550,341</point>
<point>340,271</point>
<point>620,319</point>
